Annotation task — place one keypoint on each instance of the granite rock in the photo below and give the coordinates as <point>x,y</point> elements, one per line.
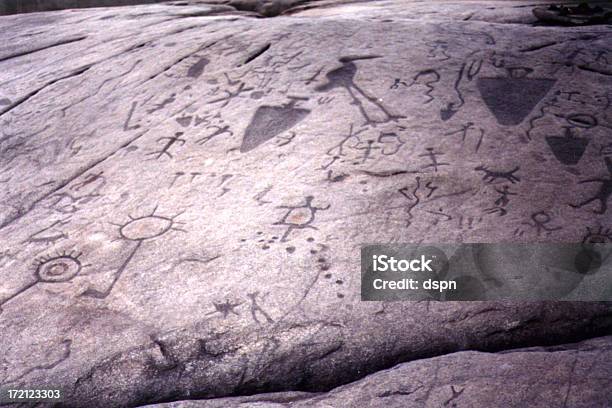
<point>572,375</point>
<point>184,188</point>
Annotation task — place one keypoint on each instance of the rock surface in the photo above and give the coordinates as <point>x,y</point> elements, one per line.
<point>576,375</point>
<point>264,8</point>
<point>29,6</point>
<point>184,189</point>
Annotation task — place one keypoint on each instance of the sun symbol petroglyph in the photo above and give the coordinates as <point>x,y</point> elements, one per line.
<point>148,226</point>
<point>58,268</point>
<point>139,230</point>
<point>600,236</point>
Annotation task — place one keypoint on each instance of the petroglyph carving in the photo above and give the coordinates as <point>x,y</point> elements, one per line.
<point>299,217</point>
<point>492,176</point>
<point>344,77</point>
<point>138,230</point>
<point>568,149</point>
<point>58,268</point>
<point>511,99</point>
<point>604,192</point>
<point>270,121</point>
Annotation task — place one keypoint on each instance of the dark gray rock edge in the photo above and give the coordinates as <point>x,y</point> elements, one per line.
<point>571,375</point>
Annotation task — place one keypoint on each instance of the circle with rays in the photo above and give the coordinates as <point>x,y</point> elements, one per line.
<point>58,268</point>
<point>148,227</point>
<point>599,236</point>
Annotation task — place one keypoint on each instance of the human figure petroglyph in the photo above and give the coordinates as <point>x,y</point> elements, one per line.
<point>256,308</point>
<point>171,141</point>
<point>299,217</point>
<point>466,129</point>
<point>604,193</point>
<point>433,157</point>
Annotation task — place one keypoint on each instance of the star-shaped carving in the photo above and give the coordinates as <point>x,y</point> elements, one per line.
<point>226,308</point>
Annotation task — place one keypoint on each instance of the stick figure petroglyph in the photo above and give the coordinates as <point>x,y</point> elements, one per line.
<point>219,130</point>
<point>604,193</point>
<point>299,217</point>
<point>368,148</point>
<point>501,202</point>
<point>171,142</point>
<point>505,192</point>
<point>231,94</point>
<point>433,157</point>
<point>255,308</point>
<point>337,151</point>
<point>539,221</point>
<point>464,130</point>
<point>438,47</point>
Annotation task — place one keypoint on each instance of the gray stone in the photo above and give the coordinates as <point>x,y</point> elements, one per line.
<point>29,6</point>
<point>157,244</point>
<point>573,375</point>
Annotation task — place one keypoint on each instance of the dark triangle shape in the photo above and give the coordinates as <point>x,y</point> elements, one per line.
<point>512,99</point>
<point>568,150</point>
<point>268,122</point>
